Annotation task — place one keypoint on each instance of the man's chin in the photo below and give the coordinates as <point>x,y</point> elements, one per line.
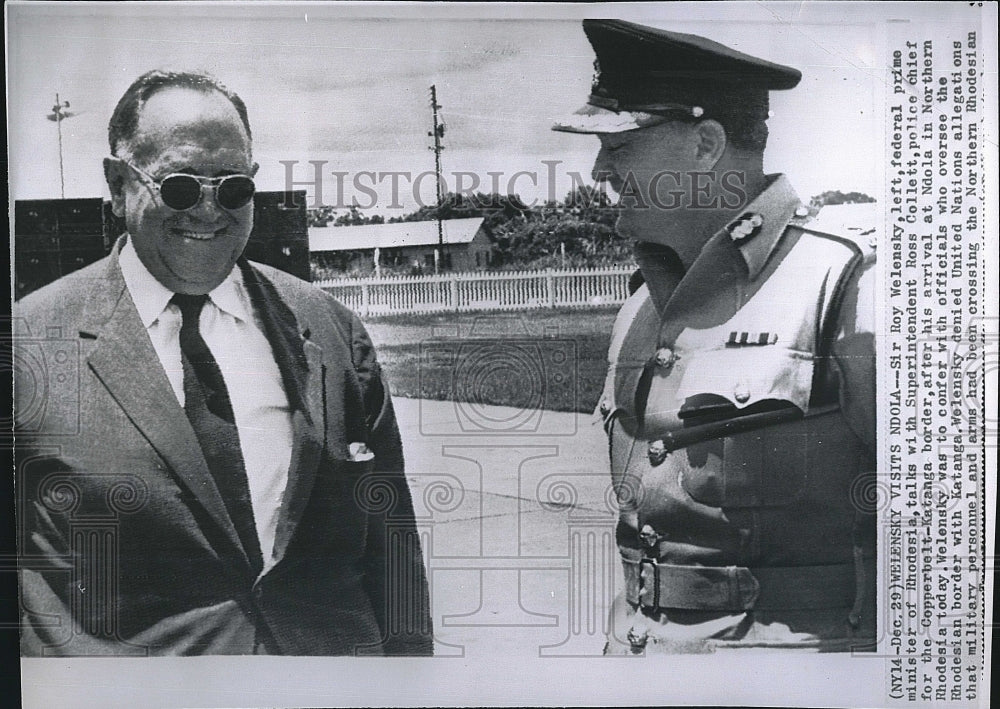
<point>195,281</point>
<point>650,225</point>
<point>631,228</point>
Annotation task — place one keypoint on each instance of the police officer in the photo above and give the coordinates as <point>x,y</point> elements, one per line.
<point>739,402</point>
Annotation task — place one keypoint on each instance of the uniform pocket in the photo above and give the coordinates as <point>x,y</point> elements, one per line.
<point>766,468</point>
<point>743,376</point>
<point>759,468</point>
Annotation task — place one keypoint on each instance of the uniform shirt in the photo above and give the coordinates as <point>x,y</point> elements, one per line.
<point>724,276</point>
<point>237,341</point>
<point>728,272</point>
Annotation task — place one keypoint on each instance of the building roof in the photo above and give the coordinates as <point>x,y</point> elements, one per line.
<point>392,236</point>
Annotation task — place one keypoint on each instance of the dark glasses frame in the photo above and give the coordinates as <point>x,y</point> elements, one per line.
<point>217,183</point>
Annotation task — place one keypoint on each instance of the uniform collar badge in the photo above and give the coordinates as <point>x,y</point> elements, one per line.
<point>744,227</point>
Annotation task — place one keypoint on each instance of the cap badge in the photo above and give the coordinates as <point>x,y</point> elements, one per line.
<point>596,79</point>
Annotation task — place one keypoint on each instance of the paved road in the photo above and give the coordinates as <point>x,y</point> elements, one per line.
<point>517,524</point>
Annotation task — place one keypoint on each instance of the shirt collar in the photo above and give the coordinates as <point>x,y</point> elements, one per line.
<point>151,297</point>
<point>776,206</point>
<point>231,297</point>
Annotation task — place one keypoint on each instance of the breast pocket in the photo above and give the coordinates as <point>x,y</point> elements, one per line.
<point>744,376</point>
<point>759,468</point>
<point>344,494</point>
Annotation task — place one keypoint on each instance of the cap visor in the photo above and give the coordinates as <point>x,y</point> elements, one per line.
<point>596,120</point>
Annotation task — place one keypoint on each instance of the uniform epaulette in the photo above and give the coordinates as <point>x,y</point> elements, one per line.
<point>857,224</point>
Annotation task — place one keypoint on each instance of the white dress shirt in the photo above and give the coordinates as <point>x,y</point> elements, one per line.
<point>233,333</point>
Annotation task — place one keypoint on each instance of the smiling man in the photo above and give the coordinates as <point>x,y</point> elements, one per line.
<point>215,467</point>
<point>739,402</point>
<point>181,131</point>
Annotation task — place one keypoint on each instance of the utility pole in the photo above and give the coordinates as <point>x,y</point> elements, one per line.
<point>59,114</point>
<point>437,134</point>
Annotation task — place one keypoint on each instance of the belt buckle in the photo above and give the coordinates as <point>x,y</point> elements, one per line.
<point>654,575</point>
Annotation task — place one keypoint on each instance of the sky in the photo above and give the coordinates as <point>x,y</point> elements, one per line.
<point>347,85</point>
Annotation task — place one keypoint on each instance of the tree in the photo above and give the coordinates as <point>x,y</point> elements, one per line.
<point>320,216</point>
<point>838,197</point>
<point>354,217</point>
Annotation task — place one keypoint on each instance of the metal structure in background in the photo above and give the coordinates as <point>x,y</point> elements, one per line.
<point>280,235</point>
<point>59,114</point>
<point>54,237</point>
<point>438,134</point>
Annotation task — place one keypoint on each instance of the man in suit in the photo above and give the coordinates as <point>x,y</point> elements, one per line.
<point>740,398</point>
<point>208,458</point>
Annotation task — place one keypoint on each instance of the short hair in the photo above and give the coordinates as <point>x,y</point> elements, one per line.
<point>748,134</point>
<point>125,119</point>
<point>744,118</point>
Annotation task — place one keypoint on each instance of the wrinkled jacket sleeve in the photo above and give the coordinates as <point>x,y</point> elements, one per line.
<point>396,580</point>
<point>854,354</point>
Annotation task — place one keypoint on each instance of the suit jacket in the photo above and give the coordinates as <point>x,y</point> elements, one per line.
<point>126,546</point>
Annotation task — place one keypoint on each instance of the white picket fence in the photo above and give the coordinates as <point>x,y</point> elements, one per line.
<point>505,290</point>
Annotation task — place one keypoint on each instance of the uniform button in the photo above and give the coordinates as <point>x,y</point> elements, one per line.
<point>648,536</point>
<point>637,639</point>
<point>605,408</point>
<point>742,393</point>
<point>802,212</point>
<point>854,619</point>
<point>665,358</point>
<point>657,452</point>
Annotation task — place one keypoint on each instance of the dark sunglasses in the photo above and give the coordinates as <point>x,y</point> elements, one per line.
<point>180,191</point>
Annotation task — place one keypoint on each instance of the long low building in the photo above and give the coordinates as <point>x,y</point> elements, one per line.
<point>412,245</point>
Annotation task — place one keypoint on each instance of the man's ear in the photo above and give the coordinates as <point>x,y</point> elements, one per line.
<point>711,142</point>
<point>253,170</point>
<point>114,174</point>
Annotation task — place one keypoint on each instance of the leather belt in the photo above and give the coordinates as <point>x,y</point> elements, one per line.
<point>651,584</point>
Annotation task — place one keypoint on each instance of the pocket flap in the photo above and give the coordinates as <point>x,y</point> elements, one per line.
<point>745,375</point>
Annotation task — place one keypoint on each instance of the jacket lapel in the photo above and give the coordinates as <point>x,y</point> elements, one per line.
<point>124,361</point>
<point>307,450</point>
<point>302,371</point>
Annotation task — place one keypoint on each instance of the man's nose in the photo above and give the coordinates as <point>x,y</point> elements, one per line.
<point>208,208</point>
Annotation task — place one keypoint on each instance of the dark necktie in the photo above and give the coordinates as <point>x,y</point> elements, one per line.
<point>208,408</point>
